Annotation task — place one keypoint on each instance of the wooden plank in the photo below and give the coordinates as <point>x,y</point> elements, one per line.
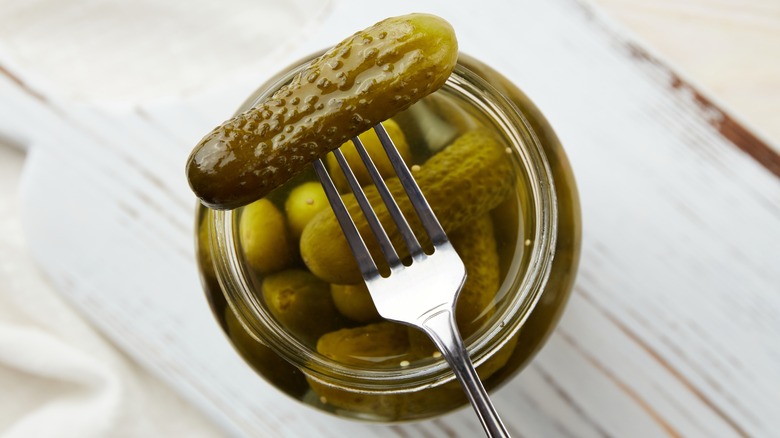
<point>672,328</point>
<point>727,45</point>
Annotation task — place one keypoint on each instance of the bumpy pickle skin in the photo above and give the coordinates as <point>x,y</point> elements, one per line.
<point>264,237</point>
<point>301,303</point>
<point>365,79</point>
<point>461,183</point>
<point>375,150</point>
<point>475,243</point>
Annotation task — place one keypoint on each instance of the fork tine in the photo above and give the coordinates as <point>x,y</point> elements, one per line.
<point>379,232</point>
<point>392,207</point>
<point>421,206</point>
<point>356,244</point>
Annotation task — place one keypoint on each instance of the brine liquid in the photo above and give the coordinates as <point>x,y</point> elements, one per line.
<point>429,126</point>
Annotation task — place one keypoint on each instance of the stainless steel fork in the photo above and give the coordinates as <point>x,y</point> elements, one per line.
<point>422,294</point>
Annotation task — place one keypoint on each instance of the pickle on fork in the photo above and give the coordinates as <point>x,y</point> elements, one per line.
<point>365,79</point>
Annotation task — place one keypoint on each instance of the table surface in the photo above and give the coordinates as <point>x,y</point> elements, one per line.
<point>728,47</point>
<point>672,328</point>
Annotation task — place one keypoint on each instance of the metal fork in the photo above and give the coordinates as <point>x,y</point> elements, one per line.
<point>422,294</point>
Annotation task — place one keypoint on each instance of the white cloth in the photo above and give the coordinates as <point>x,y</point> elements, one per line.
<point>129,51</point>
<point>58,376</point>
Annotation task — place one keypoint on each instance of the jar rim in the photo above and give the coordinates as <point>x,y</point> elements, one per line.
<point>526,287</point>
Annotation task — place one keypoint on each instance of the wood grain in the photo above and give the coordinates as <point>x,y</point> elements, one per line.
<point>718,118</point>
<point>672,328</point>
<point>729,46</point>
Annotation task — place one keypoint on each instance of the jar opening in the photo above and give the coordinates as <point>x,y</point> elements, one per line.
<point>527,271</point>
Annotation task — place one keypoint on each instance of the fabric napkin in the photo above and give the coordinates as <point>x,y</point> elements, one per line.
<point>58,376</point>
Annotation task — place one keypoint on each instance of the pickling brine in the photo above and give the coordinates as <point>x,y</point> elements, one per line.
<point>497,178</point>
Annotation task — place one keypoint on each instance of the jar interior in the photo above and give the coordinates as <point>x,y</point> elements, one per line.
<point>522,229</point>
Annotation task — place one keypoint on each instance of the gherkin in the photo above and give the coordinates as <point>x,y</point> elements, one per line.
<point>466,180</point>
<point>362,81</point>
<point>476,246</point>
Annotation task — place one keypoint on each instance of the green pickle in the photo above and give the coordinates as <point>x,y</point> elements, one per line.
<point>409,405</point>
<point>302,204</point>
<point>475,243</point>
<point>464,181</point>
<point>374,345</point>
<point>354,302</point>
<point>301,303</point>
<point>293,261</point>
<point>264,237</point>
<point>375,150</point>
<point>365,79</point>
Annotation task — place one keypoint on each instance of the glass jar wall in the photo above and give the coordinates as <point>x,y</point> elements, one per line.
<point>321,342</point>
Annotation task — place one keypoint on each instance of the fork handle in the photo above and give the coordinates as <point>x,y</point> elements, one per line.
<point>441,328</point>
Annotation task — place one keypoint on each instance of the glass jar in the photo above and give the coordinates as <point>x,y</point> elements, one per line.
<point>537,230</point>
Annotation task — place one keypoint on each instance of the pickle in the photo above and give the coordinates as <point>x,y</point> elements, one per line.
<point>303,203</point>
<point>354,302</point>
<point>383,344</point>
<point>375,151</point>
<point>475,243</point>
<point>374,345</point>
<point>461,183</point>
<point>362,81</point>
<point>264,238</point>
<point>301,302</point>
<point>391,406</point>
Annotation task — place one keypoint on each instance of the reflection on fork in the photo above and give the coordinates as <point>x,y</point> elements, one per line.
<point>422,293</point>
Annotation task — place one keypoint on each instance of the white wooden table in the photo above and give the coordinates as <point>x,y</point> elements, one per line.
<point>674,324</point>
